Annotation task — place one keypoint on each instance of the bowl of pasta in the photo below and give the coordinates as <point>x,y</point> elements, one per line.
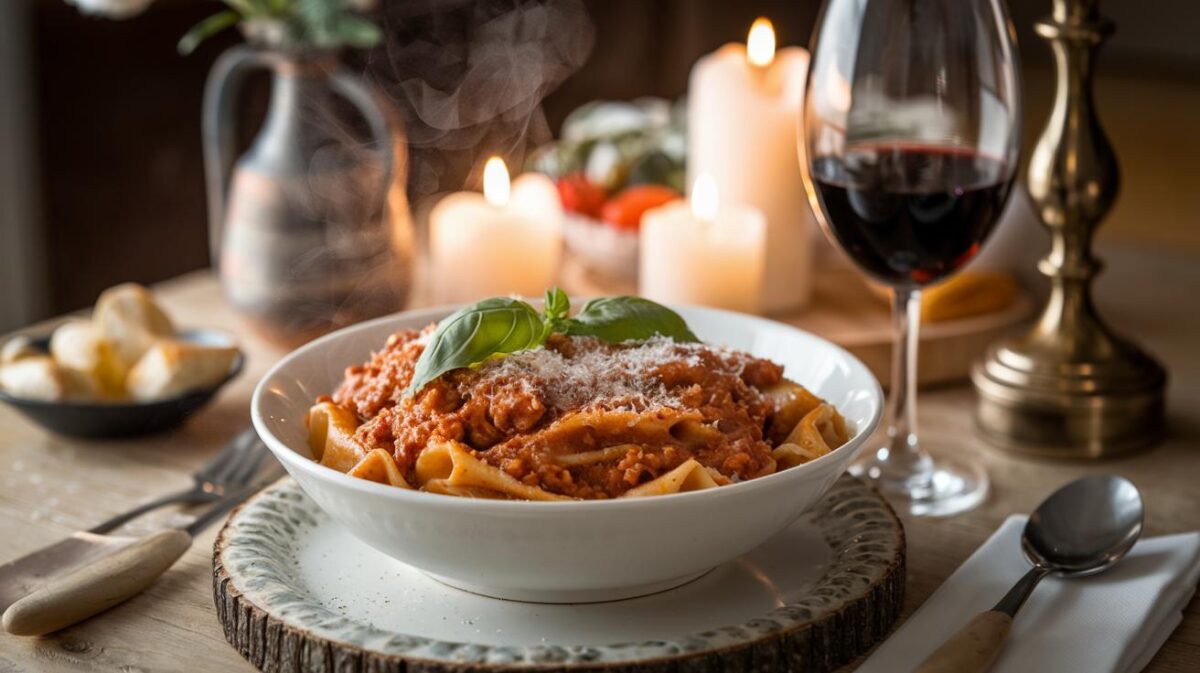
<point>535,453</point>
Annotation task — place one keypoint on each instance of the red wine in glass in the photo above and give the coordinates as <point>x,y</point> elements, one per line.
<point>910,214</point>
<point>911,137</point>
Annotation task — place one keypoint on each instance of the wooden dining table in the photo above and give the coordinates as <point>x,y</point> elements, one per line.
<point>51,485</point>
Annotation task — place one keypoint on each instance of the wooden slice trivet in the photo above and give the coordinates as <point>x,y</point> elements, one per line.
<point>284,579</point>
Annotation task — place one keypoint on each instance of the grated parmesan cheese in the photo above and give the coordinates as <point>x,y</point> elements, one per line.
<point>599,375</point>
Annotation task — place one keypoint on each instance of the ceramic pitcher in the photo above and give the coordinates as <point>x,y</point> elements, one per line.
<point>310,228</point>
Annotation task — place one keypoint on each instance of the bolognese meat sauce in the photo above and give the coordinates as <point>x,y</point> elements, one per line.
<point>646,406</point>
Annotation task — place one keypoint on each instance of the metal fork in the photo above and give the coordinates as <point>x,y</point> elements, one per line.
<point>230,469</point>
<point>234,467</point>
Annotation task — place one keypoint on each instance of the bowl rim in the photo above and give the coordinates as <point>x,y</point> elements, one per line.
<point>235,368</point>
<point>291,458</point>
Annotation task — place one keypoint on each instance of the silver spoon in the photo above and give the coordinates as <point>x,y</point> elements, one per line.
<point>1083,528</point>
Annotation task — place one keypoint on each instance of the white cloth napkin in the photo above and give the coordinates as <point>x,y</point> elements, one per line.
<point>1113,622</point>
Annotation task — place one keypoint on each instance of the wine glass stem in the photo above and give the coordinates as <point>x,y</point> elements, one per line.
<point>905,460</point>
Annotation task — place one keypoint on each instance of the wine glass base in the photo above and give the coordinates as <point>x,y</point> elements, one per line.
<point>947,488</point>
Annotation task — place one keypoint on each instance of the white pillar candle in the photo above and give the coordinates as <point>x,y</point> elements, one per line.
<point>505,241</point>
<point>703,253</point>
<point>743,111</point>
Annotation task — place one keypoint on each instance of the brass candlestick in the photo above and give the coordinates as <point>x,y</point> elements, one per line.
<point>1071,388</point>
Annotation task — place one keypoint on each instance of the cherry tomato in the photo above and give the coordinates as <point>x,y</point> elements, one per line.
<point>624,211</point>
<point>580,196</point>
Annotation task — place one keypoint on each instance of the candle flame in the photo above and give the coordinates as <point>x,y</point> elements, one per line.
<point>496,187</point>
<point>760,45</point>
<point>704,198</point>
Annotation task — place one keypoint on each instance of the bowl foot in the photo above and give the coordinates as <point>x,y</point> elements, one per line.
<point>571,595</point>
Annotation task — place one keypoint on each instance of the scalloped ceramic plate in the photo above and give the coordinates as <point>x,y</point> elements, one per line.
<point>292,585</point>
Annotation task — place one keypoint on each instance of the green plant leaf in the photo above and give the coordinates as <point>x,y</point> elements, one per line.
<point>618,319</point>
<point>206,29</point>
<point>500,326</point>
<point>556,312</point>
<point>558,305</point>
<point>356,31</point>
<point>475,334</point>
<point>248,8</point>
<point>317,11</point>
<point>326,23</point>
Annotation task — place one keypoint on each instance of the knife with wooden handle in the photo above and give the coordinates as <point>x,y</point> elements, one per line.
<point>974,648</point>
<point>113,579</point>
<point>20,577</point>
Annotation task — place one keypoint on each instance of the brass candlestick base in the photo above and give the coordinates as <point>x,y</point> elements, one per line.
<point>1071,388</point>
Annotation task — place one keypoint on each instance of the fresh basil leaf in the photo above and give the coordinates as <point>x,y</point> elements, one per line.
<point>558,305</point>
<point>617,319</point>
<point>474,334</point>
<point>500,326</point>
<point>556,312</point>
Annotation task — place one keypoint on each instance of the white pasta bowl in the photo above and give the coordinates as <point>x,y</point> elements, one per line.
<point>567,551</point>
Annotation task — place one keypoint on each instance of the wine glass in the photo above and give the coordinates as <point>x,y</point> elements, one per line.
<point>911,128</point>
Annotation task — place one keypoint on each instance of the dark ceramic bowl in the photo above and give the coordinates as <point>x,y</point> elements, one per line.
<point>124,419</point>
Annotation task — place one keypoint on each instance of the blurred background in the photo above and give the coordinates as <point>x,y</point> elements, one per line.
<point>101,176</point>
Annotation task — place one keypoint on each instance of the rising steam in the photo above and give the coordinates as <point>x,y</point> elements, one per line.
<point>469,78</point>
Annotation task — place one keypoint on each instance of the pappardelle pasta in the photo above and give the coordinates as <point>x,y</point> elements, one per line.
<point>574,418</point>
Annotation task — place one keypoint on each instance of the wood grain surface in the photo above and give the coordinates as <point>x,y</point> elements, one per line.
<point>51,486</point>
